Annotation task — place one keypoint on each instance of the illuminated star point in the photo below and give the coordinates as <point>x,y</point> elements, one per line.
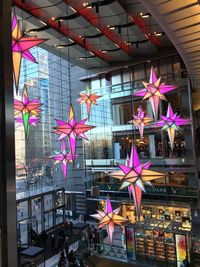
<point>141,120</point>
<point>63,157</point>
<point>154,91</point>
<point>109,218</point>
<point>20,48</point>
<point>72,129</point>
<point>89,99</point>
<point>134,176</point>
<point>171,123</point>
<point>27,111</point>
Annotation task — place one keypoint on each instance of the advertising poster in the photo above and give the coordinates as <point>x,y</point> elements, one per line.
<point>130,243</point>
<point>181,249</point>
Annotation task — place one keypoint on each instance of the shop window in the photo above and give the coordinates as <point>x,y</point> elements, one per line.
<point>95,84</point>
<point>36,211</point>
<point>59,198</point>
<point>22,210</point>
<point>48,220</point>
<point>48,202</point>
<point>59,216</point>
<point>116,79</point>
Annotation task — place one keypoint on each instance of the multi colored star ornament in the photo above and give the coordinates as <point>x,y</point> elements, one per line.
<point>171,123</point>
<point>134,176</point>
<point>109,218</point>
<point>88,99</point>
<point>27,111</point>
<point>141,120</point>
<point>154,91</point>
<point>20,48</point>
<point>63,157</point>
<point>72,129</point>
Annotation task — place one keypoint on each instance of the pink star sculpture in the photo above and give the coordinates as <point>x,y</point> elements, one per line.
<point>171,123</point>
<point>154,91</point>
<point>20,48</point>
<point>134,176</point>
<point>88,99</point>
<point>72,129</point>
<point>141,120</point>
<point>109,218</point>
<point>27,111</point>
<point>63,157</point>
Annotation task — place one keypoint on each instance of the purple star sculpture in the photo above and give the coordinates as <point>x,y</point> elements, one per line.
<point>63,157</point>
<point>72,129</point>
<point>154,91</point>
<point>171,123</point>
<point>134,176</point>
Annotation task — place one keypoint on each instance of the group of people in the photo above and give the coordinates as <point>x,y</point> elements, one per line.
<point>92,236</point>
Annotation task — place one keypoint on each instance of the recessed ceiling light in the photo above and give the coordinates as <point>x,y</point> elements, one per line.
<point>146,15</point>
<point>158,33</point>
<point>72,9</point>
<point>42,22</point>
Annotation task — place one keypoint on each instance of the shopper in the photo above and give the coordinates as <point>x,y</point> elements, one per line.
<point>71,227</point>
<point>186,262</point>
<point>66,227</point>
<point>62,259</point>
<point>66,246</point>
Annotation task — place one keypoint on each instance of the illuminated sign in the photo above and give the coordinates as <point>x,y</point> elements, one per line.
<point>130,243</point>
<point>181,249</point>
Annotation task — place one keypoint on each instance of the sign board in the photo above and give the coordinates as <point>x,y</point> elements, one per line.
<point>181,249</point>
<point>130,243</point>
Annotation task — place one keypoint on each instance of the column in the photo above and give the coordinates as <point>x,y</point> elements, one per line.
<point>7,143</point>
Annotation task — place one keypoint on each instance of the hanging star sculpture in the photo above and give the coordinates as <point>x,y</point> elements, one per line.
<point>141,120</point>
<point>134,176</point>
<point>63,157</point>
<point>27,111</point>
<point>72,129</point>
<point>20,48</point>
<point>109,218</point>
<point>154,91</point>
<point>88,99</point>
<point>171,123</point>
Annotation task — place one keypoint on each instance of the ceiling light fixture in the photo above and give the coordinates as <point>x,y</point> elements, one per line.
<point>146,15</point>
<point>159,33</point>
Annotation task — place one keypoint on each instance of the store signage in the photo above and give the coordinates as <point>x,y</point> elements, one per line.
<point>181,249</point>
<point>156,189</point>
<point>130,243</point>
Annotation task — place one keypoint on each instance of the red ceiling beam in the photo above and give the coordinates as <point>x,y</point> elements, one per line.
<point>98,23</point>
<point>141,23</point>
<point>65,31</point>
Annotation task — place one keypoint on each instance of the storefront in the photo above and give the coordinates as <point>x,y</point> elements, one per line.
<point>155,240</point>
<point>159,212</point>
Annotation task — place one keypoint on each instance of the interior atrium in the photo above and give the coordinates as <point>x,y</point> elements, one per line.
<point>100,133</point>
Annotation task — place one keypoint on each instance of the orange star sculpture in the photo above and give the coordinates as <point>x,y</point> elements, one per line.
<point>20,48</point>
<point>89,99</point>
<point>141,120</point>
<point>109,218</point>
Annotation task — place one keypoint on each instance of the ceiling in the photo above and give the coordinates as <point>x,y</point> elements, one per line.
<point>180,19</point>
<point>95,34</point>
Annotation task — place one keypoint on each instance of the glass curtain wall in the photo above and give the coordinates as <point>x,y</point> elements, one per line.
<point>113,138</point>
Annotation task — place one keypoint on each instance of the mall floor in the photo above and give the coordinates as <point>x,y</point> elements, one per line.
<point>102,262</point>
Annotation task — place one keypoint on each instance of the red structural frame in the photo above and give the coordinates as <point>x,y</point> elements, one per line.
<point>66,31</point>
<point>94,19</point>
